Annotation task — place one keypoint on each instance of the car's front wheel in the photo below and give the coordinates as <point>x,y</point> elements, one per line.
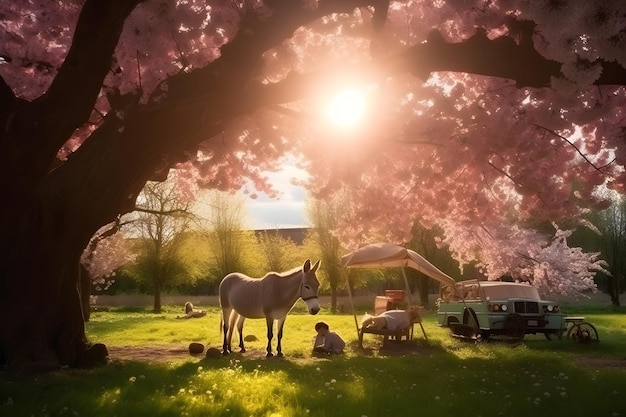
<point>515,326</point>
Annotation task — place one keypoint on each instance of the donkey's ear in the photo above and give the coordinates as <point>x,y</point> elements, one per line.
<point>316,265</point>
<point>307,266</point>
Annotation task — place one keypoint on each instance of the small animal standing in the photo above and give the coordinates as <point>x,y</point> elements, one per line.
<point>270,297</point>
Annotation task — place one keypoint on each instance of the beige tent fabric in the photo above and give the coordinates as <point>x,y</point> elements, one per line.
<point>387,255</point>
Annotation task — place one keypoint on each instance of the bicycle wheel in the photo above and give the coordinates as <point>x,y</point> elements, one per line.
<point>584,333</point>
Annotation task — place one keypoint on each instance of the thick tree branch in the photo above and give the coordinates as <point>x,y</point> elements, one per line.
<point>48,122</point>
<point>500,57</point>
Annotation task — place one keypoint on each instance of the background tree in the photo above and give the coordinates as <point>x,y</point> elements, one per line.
<point>324,215</point>
<point>612,243</point>
<point>163,218</point>
<point>426,242</point>
<point>97,98</point>
<point>281,254</point>
<point>227,240</point>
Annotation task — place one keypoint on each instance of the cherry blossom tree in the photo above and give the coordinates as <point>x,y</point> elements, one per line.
<point>108,250</point>
<point>527,255</point>
<point>472,105</point>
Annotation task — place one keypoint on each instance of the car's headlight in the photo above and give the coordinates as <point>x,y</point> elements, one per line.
<point>552,308</point>
<point>504,307</point>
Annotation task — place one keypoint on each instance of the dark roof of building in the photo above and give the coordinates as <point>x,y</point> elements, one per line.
<point>295,234</point>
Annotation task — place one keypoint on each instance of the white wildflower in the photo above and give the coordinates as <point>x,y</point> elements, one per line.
<point>132,379</point>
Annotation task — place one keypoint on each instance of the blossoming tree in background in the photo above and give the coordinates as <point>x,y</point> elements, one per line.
<point>469,106</point>
<point>108,250</point>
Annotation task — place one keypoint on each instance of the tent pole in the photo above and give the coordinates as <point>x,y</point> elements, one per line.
<point>356,323</point>
<point>406,284</point>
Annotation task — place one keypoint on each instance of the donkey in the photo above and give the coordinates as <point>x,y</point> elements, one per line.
<point>270,297</point>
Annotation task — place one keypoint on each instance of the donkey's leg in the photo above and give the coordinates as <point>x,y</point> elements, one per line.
<point>234,316</point>
<point>240,321</point>
<point>226,313</point>
<point>270,335</point>
<point>279,325</point>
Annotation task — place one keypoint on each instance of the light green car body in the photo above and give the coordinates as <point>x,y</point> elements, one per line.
<point>484,309</point>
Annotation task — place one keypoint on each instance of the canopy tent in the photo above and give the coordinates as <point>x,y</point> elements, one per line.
<point>387,255</point>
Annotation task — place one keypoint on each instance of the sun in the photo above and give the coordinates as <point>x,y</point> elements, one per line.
<point>347,108</point>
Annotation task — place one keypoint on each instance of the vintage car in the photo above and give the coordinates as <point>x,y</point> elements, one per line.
<point>484,309</point>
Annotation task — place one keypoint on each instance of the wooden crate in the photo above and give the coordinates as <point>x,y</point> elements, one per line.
<point>397,296</point>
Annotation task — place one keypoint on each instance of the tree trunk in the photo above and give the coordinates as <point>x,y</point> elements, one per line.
<point>333,296</point>
<point>614,289</point>
<point>42,326</point>
<point>157,296</point>
<point>422,287</point>
<point>85,292</point>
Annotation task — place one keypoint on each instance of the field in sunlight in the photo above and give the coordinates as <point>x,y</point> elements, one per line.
<point>440,376</point>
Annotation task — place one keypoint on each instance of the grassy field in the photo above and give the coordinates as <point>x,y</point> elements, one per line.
<point>442,376</point>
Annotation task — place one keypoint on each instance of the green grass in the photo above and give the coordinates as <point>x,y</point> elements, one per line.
<point>442,376</point>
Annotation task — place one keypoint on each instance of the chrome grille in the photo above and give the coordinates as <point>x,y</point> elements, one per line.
<point>527,307</point>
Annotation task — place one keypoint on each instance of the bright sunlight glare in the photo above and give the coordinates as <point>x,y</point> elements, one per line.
<point>347,108</point>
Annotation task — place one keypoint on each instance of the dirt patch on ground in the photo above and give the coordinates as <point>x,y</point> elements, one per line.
<point>601,363</point>
<point>150,353</point>
<point>165,354</point>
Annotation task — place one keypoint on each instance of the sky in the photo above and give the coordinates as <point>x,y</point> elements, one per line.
<point>287,210</point>
<point>344,111</point>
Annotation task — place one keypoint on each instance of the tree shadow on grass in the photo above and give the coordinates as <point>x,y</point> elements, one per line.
<point>379,380</point>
